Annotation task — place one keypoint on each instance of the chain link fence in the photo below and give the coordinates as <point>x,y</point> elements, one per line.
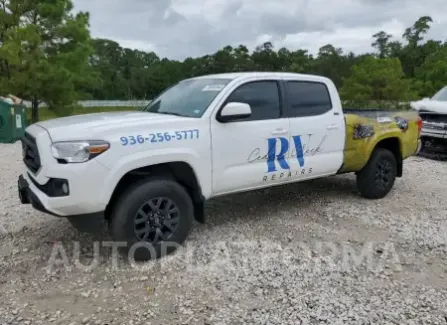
<point>142,103</point>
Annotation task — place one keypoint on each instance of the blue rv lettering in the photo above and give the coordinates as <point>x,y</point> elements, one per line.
<point>272,156</point>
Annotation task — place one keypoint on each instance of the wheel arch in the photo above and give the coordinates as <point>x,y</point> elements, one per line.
<point>394,145</point>
<point>179,171</point>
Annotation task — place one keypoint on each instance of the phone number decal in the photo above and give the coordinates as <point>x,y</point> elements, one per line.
<point>160,137</point>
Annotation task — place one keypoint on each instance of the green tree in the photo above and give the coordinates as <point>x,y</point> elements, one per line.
<point>300,61</point>
<point>413,54</point>
<point>432,75</point>
<point>331,63</point>
<point>106,61</point>
<point>395,49</point>
<point>130,74</point>
<point>6,22</point>
<point>376,79</point>
<point>416,33</point>
<point>47,50</point>
<point>242,59</point>
<point>381,43</point>
<point>265,58</point>
<point>126,76</point>
<point>46,55</point>
<point>224,60</point>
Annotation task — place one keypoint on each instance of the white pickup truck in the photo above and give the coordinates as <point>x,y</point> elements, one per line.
<point>433,112</point>
<point>149,172</point>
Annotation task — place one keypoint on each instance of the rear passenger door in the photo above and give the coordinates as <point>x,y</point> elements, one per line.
<point>242,159</point>
<point>315,127</point>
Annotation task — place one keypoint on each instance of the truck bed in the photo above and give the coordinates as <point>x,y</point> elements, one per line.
<point>365,128</point>
<point>369,112</point>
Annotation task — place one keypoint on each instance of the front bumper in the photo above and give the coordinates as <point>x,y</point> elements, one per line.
<point>85,182</point>
<point>27,196</point>
<point>87,222</point>
<point>84,197</point>
<point>433,148</point>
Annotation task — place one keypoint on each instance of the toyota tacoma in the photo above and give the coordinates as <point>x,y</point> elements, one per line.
<point>148,173</point>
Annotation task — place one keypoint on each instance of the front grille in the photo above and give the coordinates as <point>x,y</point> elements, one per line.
<point>30,152</point>
<point>433,121</point>
<point>433,118</point>
<point>435,126</point>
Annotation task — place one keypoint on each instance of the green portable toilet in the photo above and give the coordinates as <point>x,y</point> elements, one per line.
<point>13,122</point>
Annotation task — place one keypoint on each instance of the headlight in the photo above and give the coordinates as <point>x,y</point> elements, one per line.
<point>78,151</point>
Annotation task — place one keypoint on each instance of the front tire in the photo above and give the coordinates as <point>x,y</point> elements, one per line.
<point>153,217</point>
<point>377,178</point>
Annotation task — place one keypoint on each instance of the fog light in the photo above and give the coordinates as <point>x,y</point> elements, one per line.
<point>65,188</point>
<point>58,187</point>
<point>55,187</point>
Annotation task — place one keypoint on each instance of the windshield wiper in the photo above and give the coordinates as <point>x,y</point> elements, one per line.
<point>169,113</point>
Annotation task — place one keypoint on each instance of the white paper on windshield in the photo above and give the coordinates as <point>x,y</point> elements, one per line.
<point>213,87</point>
<point>383,119</point>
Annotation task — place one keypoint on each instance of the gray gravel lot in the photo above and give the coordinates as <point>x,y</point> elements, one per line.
<point>309,253</point>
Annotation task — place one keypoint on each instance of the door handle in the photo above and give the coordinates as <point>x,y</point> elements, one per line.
<point>332,126</point>
<point>279,132</point>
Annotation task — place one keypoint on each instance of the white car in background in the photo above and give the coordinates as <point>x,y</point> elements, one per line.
<point>433,138</point>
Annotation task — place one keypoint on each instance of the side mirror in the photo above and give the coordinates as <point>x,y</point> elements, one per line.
<point>425,98</point>
<point>234,111</point>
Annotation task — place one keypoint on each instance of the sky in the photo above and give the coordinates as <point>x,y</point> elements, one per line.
<point>178,29</point>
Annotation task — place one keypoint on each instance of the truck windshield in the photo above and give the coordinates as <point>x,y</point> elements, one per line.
<point>441,95</point>
<point>189,98</point>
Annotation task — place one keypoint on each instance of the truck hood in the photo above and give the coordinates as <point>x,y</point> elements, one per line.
<point>430,105</point>
<point>80,126</point>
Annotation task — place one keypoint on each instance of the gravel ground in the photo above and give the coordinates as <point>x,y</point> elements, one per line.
<point>309,253</point>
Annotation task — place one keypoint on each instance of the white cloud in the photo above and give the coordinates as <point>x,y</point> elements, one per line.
<point>136,44</point>
<point>357,40</point>
<point>181,28</point>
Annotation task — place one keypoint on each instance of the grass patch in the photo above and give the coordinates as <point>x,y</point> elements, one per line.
<point>46,114</point>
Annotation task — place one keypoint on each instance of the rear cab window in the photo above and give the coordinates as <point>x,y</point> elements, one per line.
<point>307,98</point>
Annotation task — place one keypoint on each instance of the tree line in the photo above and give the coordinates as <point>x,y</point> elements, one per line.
<point>47,55</point>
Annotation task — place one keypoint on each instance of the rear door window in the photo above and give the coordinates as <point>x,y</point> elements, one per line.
<point>307,98</point>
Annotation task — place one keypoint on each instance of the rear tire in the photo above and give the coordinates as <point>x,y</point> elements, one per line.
<point>153,217</point>
<point>377,178</point>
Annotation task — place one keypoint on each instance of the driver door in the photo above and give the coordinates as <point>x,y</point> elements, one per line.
<point>251,152</point>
